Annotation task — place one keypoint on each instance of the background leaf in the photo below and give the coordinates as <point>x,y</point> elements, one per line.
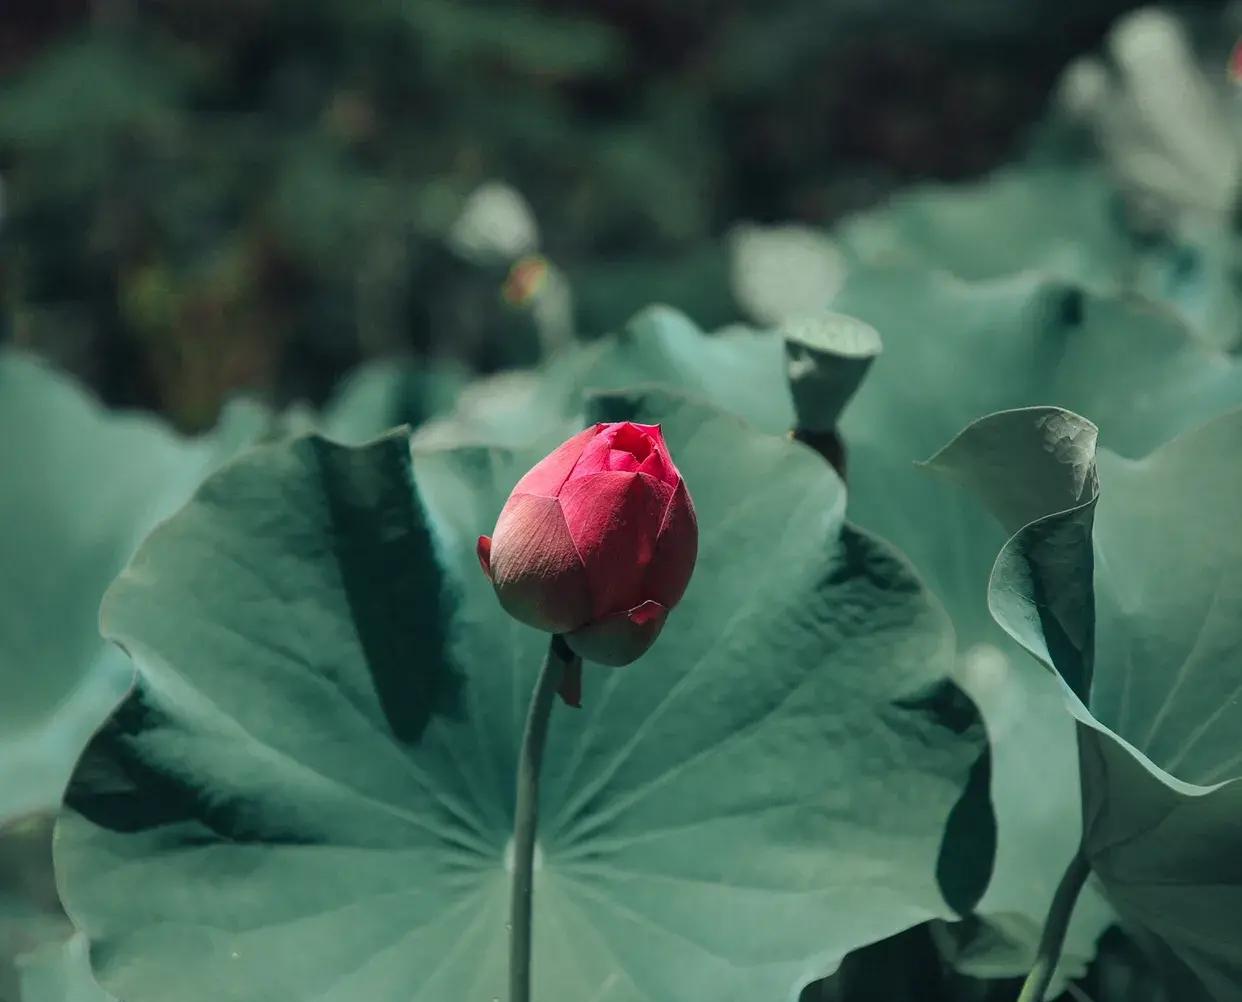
<point>84,487</point>
<point>84,490</point>
<point>954,350</point>
<point>739,370</point>
<point>1066,221</point>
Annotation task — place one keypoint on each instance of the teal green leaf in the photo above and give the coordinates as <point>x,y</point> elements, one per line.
<point>952,351</point>
<point>727,369</point>
<point>85,486</point>
<point>82,487</point>
<point>1132,593</point>
<point>43,956</point>
<point>384,394</point>
<point>1062,221</point>
<point>309,792</point>
<point>1027,340</point>
<point>738,370</point>
<point>60,973</point>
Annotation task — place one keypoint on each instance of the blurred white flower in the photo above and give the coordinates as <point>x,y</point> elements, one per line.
<point>782,272</point>
<point>496,225</point>
<point>1164,128</point>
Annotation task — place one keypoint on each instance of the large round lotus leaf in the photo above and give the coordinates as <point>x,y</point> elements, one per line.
<point>1062,221</point>
<point>1140,620</point>
<point>83,487</point>
<point>955,350</point>
<point>87,486</point>
<point>309,793</point>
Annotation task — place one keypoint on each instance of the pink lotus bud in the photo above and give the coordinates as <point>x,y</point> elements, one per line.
<point>597,542</point>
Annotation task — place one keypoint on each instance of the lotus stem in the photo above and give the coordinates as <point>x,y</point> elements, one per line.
<point>1053,938</point>
<point>526,815</point>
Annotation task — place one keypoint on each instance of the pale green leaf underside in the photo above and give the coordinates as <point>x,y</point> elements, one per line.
<point>44,958</point>
<point>60,972</point>
<point>1147,650</point>
<point>309,795</point>
<point>1063,221</point>
<point>81,488</point>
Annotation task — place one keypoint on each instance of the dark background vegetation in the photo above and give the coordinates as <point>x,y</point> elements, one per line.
<point>204,197</point>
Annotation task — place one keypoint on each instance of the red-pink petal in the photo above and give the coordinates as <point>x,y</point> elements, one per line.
<point>619,639</point>
<point>546,477</point>
<point>659,465</point>
<point>614,519</point>
<point>677,549</point>
<point>617,447</point>
<point>622,461</point>
<point>537,572</point>
<point>595,457</point>
<point>632,439</point>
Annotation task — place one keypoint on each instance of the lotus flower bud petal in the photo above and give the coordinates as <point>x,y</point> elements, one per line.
<point>616,520</point>
<point>596,542</point>
<point>677,549</point>
<point>535,566</point>
<point>620,638</point>
<point>548,476</point>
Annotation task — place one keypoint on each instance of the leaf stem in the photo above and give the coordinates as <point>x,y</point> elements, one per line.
<point>1053,937</point>
<point>526,816</point>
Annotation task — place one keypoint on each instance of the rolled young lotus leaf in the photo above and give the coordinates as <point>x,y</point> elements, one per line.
<point>1125,577</point>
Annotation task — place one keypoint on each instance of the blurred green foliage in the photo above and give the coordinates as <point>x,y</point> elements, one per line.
<point>204,197</point>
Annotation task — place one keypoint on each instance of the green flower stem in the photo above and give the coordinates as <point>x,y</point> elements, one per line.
<point>527,814</point>
<point>1050,943</point>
